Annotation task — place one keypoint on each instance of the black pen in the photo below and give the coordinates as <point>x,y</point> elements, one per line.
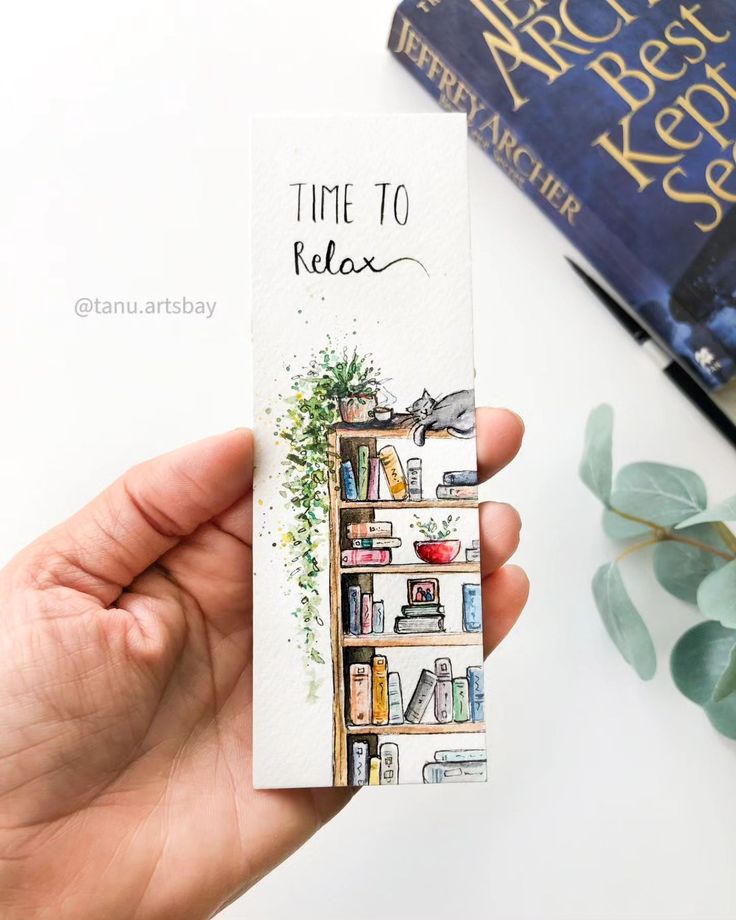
<point>681,379</point>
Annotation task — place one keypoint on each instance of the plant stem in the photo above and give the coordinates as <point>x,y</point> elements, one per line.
<point>726,535</point>
<point>636,547</point>
<point>662,534</point>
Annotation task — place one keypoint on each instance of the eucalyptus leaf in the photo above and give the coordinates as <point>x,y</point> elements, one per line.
<point>699,660</point>
<point>619,528</point>
<point>623,621</point>
<point>659,493</point>
<point>723,511</point>
<point>680,568</point>
<point>596,466</point>
<point>717,595</point>
<point>727,681</point>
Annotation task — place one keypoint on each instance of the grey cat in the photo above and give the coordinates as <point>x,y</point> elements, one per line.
<point>454,413</point>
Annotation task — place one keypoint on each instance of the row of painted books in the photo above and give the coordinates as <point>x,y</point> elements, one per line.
<point>403,484</point>
<point>372,542</point>
<point>375,695</point>
<point>462,766</point>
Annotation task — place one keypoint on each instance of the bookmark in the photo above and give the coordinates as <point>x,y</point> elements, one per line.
<point>367,648</point>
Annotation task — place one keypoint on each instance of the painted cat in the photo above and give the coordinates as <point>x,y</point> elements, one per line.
<point>454,413</point>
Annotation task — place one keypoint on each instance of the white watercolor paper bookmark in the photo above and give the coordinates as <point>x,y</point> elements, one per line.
<point>367,610</point>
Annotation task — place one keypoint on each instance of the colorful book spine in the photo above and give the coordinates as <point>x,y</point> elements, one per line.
<point>379,616</point>
<point>377,543</point>
<point>414,479</point>
<point>449,492</point>
<point>394,473</point>
<point>362,473</point>
<point>460,478</point>
<point>374,774</point>
<point>474,772</point>
<point>420,698</point>
<point>395,699</point>
<point>460,700</point>
<point>388,753</point>
<point>354,557</point>
<point>359,764</point>
<point>366,613</point>
<point>418,625</point>
<point>350,489</point>
<point>476,693</point>
<point>472,609</point>
<point>364,529</point>
<point>354,610</point>
<point>443,690</point>
<point>360,694</point>
<point>380,690</point>
<point>374,471</point>
<point>468,755</point>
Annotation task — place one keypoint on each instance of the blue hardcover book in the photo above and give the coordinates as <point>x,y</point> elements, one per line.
<point>472,609</point>
<point>354,610</point>
<point>470,772</point>
<point>461,756</point>
<point>477,697</point>
<point>618,118</point>
<point>360,762</point>
<point>349,486</point>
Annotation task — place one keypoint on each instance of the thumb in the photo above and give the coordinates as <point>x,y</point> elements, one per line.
<point>144,513</point>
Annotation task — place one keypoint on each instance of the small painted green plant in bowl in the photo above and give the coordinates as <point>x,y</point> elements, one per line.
<point>436,548</point>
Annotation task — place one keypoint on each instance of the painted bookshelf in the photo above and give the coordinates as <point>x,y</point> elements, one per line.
<point>344,442</point>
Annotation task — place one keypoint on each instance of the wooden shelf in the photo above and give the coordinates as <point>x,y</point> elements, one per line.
<point>390,505</point>
<point>396,428</point>
<point>421,568</point>
<point>400,640</point>
<point>424,728</point>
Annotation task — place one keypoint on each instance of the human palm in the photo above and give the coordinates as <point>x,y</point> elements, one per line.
<point>125,694</point>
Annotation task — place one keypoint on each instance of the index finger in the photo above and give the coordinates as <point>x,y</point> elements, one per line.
<point>499,433</point>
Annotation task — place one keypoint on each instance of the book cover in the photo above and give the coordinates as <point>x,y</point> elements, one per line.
<point>360,763</point>
<point>419,625</point>
<point>369,529</point>
<point>366,613</point>
<point>377,543</point>
<point>423,693</point>
<point>350,489</point>
<point>380,690</point>
<point>393,470</point>
<point>389,755</point>
<point>395,699</point>
<point>379,616</point>
<point>449,492</point>
<point>356,557</point>
<point>460,699</point>
<point>360,694</point>
<point>360,237</point>
<point>460,478</point>
<point>469,772</point>
<point>362,473</point>
<point>618,119</point>
<point>443,690</point>
<point>374,472</point>
<point>472,608</point>
<point>354,610</point>
<point>476,693</point>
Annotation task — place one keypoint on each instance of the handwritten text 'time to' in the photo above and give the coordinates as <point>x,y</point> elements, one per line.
<point>333,204</point>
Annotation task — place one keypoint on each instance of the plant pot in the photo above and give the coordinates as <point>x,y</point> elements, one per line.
<point>437,552</point>
<point>357,409</point>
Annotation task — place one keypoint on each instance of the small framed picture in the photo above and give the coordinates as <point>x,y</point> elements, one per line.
<point>423,591</point>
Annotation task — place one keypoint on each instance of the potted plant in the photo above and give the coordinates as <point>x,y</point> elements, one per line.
<point>351,381</point>
<point>436,548</point>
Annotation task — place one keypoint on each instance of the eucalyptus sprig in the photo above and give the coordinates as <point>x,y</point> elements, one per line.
<point>653,504</point>
<point>433,531</point>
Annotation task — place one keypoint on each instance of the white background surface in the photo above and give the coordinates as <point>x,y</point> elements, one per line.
<point>123,174</point>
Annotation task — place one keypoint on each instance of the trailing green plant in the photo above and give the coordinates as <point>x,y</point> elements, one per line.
<point>310,410</point>
<point>653,504</point>
<point>431,530</point>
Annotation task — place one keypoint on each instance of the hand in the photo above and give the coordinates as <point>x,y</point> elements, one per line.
<point>125,697</point>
